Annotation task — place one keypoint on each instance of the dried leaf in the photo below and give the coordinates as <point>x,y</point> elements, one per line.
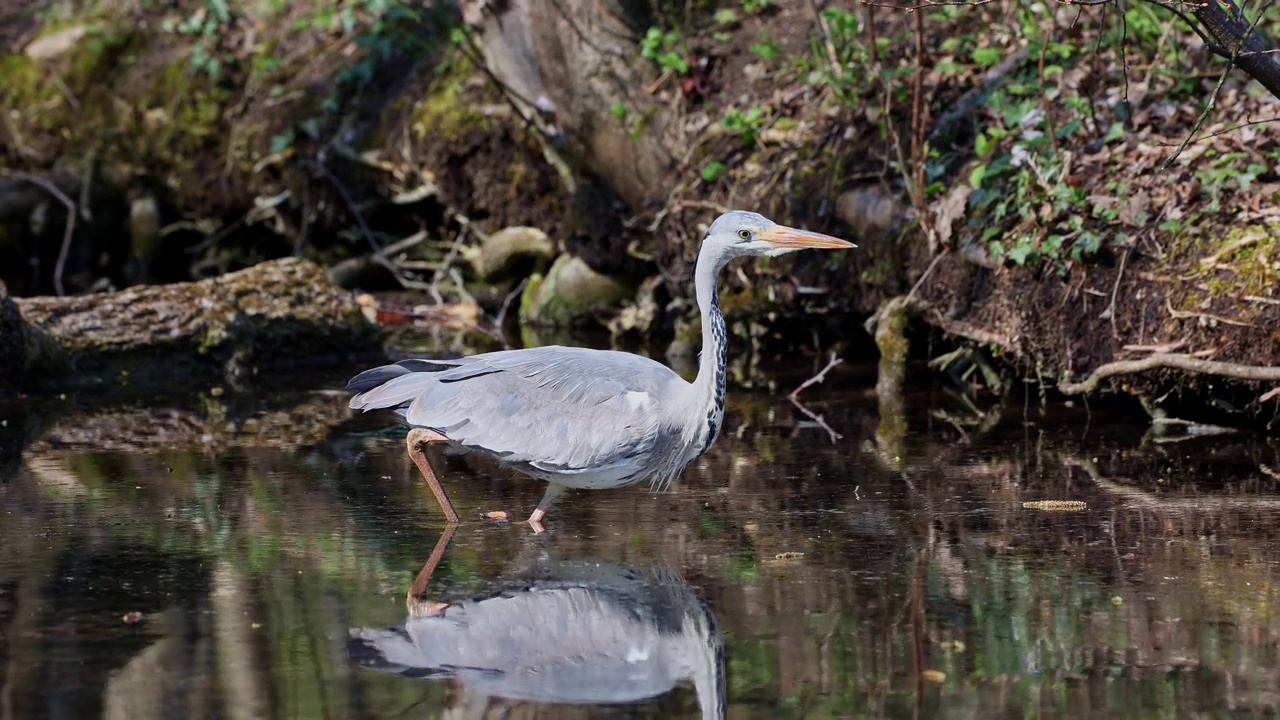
<point>1059,505</point>
<point>949,209</point>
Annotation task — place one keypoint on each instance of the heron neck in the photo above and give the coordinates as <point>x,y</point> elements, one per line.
<point>712,363</point>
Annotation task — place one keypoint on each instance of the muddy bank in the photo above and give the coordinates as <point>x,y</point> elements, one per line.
<point>1031,199</point>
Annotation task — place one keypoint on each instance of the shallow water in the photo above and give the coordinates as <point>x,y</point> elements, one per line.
<point>212,559</point>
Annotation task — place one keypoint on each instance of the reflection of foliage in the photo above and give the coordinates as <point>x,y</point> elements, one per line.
<point>1007,604</point>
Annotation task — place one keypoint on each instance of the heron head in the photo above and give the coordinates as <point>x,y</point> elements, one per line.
<point>739,232</point>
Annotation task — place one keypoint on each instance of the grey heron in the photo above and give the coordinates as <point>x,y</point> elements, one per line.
<point>579,417</point>
<point>578,632</point>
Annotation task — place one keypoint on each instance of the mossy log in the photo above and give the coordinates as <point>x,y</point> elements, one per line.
<point>277,314</point>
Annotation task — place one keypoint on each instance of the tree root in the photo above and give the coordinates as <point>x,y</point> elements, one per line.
<point>1236,371</point>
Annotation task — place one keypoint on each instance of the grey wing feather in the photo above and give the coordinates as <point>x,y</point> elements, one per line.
<point>554,408</point>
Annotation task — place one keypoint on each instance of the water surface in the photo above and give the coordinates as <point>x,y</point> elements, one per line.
<point>213,559</point>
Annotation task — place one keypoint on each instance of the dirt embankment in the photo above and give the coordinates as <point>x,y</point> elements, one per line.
<point>1017,172</point>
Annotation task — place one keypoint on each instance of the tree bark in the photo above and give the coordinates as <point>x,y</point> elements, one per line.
<point>1231,30</point>
<point>571,67</point>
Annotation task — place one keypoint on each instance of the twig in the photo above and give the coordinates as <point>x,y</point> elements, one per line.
<point>350,201</point>
<point>817,419</point>
<point>1110,312</point>
<point>1237,371</point>
<point>448,260</point>
<point>927,272</point>
<point>70,224</point>
<point>402,245</point>
<point>1165,348</point>
<point>1230,248</point>
<point>830,46</point>
<point>1217,89</point>
<point>1186,315</point>
<point>501,317</point>
<point>822,375</point>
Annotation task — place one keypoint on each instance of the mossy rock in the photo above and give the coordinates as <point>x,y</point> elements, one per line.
<point>571,293</point>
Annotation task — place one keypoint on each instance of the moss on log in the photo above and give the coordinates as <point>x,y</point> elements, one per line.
<point>278,314</point>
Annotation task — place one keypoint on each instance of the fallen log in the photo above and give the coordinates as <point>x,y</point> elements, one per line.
<point>275,315</point>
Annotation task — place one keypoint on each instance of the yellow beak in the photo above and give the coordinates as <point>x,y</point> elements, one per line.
<point>789,237</point>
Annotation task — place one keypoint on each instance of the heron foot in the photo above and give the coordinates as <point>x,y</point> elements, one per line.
<point>417,442</point>
<point>548,499</point>
<point>535,522</point>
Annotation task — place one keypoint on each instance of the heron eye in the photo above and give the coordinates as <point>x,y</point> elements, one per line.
<point>744,234</point>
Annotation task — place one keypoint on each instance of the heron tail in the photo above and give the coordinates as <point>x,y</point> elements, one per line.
<point>390,386</point>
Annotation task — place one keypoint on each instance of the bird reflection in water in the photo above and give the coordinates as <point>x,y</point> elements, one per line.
<point>580,632</point>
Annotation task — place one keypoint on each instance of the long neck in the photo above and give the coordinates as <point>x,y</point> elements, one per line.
<point>709,384</point>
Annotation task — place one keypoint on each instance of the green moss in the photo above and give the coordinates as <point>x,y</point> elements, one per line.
<point>443,113</point>
<point>1244,261</point>
<point>24,83</point>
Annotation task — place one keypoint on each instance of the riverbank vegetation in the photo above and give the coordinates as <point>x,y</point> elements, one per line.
<point>1075,197</point>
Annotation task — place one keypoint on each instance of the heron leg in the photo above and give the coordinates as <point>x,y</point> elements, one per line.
<point>417,605</point>
<point>418,440</point>
<point>548,499</point>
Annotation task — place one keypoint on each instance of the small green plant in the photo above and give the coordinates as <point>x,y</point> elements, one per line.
<point>847,75</point>
<point>714,170</point>
<point>766,48</point>
<point>747,124</point>
<point>751,7</point>
<point>725,16</point>
<point>206,24</point>
<point>664,48</point>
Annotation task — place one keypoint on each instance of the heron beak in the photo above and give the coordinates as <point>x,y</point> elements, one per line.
<point>792,238</point>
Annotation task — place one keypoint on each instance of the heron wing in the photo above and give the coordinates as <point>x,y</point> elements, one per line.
<point>558,409</point>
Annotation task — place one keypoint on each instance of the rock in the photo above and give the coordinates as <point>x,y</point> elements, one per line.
<point>502,252</point>
<point>872,211</point>
<point>570,293</point>
<point>55,43</point>
<point>277,314</point>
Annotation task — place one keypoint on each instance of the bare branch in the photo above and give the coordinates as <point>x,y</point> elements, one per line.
<point>1237,371</point>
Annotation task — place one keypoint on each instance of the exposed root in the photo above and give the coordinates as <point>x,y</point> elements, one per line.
<point>1236,371</point>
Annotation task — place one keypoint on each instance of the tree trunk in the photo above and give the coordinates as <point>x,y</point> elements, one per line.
<point>572,67</point>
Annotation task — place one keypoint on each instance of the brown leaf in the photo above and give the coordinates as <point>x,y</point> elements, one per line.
<point>1134,210</point>
<point>950,208</point>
